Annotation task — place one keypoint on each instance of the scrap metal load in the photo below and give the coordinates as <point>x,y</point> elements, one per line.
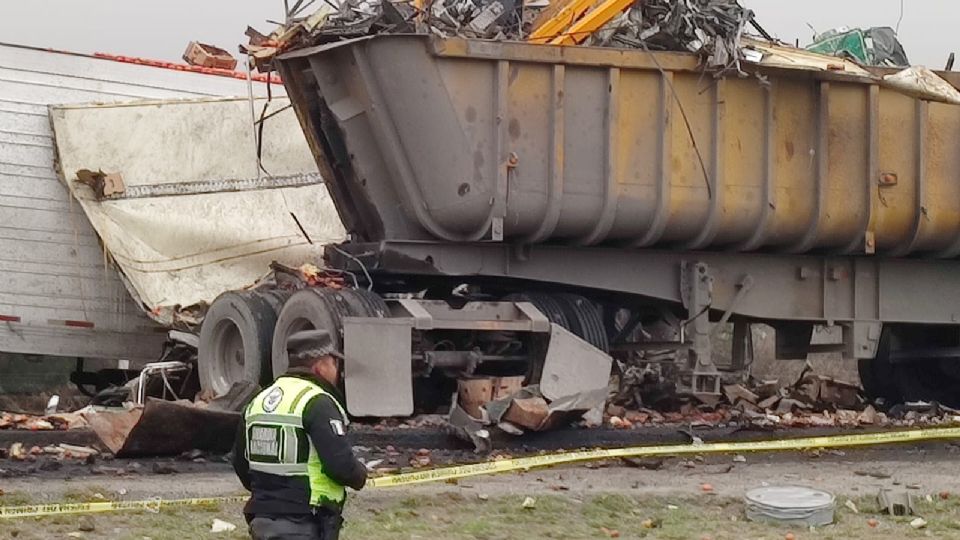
<point>713,28</point>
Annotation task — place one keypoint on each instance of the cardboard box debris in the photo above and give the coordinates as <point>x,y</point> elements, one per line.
<point>104,185</point>
<point>474,393</point>
<point>528,412</point>
<point>820,389</point>
<point>204,55</point>
<point>737,392</point>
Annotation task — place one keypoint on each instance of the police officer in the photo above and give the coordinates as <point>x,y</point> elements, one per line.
<point>292,453</point>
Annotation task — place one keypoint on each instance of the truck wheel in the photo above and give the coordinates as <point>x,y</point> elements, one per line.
<point>307,309</point>
<point>547,304</point>
<point>585,319</point>
<point>877,374</point>
<point>235,341</point>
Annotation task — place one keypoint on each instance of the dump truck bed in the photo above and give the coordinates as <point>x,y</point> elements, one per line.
<point>421,138</point>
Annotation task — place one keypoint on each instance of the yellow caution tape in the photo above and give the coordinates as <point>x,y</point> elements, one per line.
<point>526,463</point>
<point>150,505</point>
<point>519,464</point>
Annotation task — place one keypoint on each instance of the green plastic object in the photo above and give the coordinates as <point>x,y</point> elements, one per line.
<point>873,47</point>
<point>851,43</point>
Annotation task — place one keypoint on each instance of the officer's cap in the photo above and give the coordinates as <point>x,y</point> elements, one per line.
<point>317,342</point>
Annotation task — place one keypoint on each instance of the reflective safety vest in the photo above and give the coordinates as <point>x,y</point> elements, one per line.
<point>278,444</point>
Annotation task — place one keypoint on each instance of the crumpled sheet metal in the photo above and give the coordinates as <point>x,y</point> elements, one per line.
<point>711,28</point>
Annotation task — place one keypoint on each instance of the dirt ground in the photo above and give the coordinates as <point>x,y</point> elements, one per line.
<point>571,502</point>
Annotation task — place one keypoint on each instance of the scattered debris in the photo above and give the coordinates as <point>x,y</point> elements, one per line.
<point>164,428</point>
<point>85,524</point>
<point>465,427</point>
<point>17,452</point>
<point>879,475</point>
<point>872,523</point>
<point>739,459</point>
<point>163,468</point>
<point>222,526</point>
<point>736,393</point>
<point>896,502</point>
<point>868,416</point>
<point>473,393</point>
<point>839,394</point>
<point>52,405</point>
<point>61,421</point>
<point>852,506</point>
<point>918,523</point>
<point>612,533</point>
<point>513,409</point>
<point>236,398</point>
<point>646,464</point>
<point>104,185</point>
<point>528,412</point>
<point>706,488</point>
<point>529,503</point>
<point>203,55</point>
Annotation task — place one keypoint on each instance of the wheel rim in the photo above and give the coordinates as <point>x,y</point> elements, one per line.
<point>228,355</point>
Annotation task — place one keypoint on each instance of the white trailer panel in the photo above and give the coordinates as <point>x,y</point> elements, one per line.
<point>57,295</point>
<point>198,215</point>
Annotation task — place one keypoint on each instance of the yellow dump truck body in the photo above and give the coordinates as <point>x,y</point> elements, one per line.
<point>464,140</point>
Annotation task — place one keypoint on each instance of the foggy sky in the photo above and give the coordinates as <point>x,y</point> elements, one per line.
<point>162,30</point>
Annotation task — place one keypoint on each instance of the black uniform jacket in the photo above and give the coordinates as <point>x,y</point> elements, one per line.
<point>280,495</point>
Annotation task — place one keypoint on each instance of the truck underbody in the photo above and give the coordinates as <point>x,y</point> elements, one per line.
<point>436,312</point>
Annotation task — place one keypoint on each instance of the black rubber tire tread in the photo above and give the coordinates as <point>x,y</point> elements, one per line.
<point>546,304</point>
<point>254,319</point>
<point>275,297</point>
<point>376,305</point>
<point>575,323</point>
<point>588,319</point>
<point>309,308</point>
<point>877,375</point>
<point>364,303</point>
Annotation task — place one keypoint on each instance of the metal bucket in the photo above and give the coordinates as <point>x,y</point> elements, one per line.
<point>791,505</point>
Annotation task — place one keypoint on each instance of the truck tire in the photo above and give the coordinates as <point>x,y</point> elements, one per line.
<point>235,341</point>
<point>585,320</point>
<point>307,309</point>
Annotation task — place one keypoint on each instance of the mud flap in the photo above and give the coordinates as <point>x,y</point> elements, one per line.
<point>377,372</point>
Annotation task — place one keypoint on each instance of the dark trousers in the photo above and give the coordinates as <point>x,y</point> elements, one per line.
<point>323,526</point>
